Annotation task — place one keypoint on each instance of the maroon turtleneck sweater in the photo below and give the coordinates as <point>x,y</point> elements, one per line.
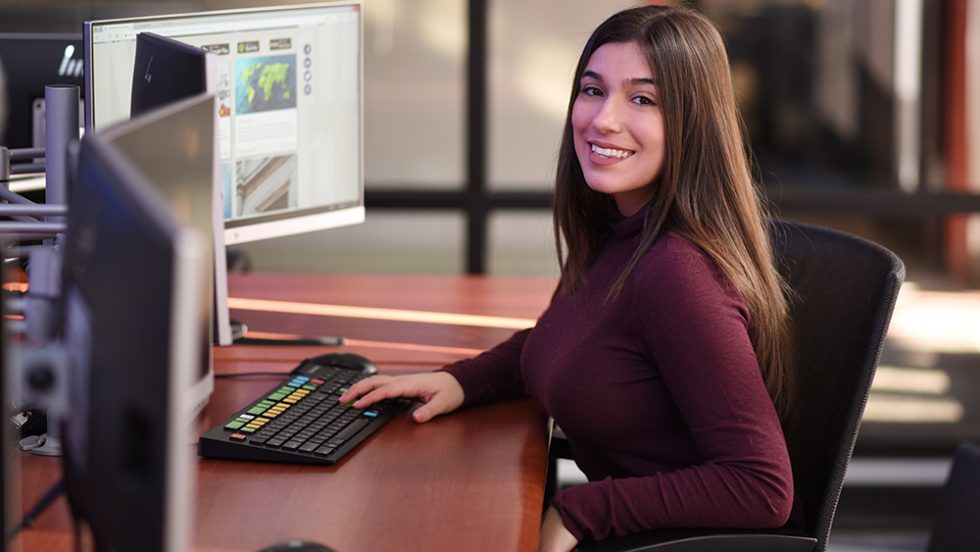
<point>659,392</point>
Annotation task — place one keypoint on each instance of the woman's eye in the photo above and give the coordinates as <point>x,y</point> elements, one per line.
<point>590,90</point>
<point>644,100</point>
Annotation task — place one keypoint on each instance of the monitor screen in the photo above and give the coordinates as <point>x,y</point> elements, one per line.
<point>173,147</point>
<point>289,82</point>
<point>30,62</point>
<point>134,283</point>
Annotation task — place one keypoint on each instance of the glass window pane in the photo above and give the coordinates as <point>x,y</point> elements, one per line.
<point>532,54</point>
<point>414,82</point>
<point>522,243</point>
<point>420,242</point>
<point>831,92</point>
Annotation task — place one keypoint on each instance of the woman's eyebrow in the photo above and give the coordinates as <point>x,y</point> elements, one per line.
<point>642,80</point>
<point>635,81</point>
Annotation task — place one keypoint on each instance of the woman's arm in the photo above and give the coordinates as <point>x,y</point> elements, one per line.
<point>555,537</point>
<point>494,374</point>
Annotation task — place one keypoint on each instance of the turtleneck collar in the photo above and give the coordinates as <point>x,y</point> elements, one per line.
<point>623,227</point>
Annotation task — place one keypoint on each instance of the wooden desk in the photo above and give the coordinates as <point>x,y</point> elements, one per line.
<point>470,481</point>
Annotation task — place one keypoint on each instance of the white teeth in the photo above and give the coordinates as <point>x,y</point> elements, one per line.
<point>609,152</point>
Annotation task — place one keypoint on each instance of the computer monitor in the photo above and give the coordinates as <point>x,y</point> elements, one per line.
<point>30,62</point>
<point>290,104</point>
<point>134,282</point>
<point>166,70</point>
<point>174,148</point>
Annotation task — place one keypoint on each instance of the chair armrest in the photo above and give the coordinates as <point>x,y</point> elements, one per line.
<point>692,540</point>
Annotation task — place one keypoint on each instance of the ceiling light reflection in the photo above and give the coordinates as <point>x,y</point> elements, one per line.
<point>546,69</point>
<point>911,380</point>
<point>442,26</point>
<point>897,409</point>
<point>382,17</point>
<point>937,321</point>
<point>373,313</point>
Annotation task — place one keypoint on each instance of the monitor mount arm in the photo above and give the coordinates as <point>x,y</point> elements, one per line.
<point>42,369</point>
<point>12,161</point>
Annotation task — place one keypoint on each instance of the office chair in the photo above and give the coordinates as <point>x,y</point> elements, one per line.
<point>845,290</point>
<point>956,528</point>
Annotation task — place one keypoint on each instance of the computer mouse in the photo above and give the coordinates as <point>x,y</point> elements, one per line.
<point>350,361</point>
<point>298,546</point>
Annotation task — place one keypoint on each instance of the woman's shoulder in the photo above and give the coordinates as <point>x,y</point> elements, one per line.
<point>676,264</point>
<point>672,246</point>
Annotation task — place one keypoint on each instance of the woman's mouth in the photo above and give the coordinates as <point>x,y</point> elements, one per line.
<point>610,152</point>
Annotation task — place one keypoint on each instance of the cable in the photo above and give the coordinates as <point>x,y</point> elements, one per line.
<point>280,374</point>
<point>313,341</point>
<point>442,362</point>
<point>42,504</point>
<point>251,374</point>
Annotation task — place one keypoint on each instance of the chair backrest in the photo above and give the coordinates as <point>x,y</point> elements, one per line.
<point>845,290</point>
<point>956,528</point>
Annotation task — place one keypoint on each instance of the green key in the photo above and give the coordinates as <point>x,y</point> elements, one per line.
<point>309,387</point>
<point>247,430</point>
<point>256,410</point>
<point>277,396</point>
<point>234,424</point>
<point>266,403</point>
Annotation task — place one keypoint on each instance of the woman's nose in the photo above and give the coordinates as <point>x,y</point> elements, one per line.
<point>609,117</point>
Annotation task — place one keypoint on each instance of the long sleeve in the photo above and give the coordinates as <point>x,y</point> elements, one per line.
<point>494,374</point>
<point>737,472</point>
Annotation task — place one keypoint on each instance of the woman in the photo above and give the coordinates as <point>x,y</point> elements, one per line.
<point>664,355</point>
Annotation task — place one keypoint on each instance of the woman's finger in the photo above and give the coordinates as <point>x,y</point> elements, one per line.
<point>390,390</point>
<point>364,386</point>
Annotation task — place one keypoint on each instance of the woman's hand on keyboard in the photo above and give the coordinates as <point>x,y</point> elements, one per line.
<point>440,392</point>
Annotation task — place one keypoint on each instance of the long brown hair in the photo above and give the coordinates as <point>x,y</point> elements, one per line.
<point>704,192</point>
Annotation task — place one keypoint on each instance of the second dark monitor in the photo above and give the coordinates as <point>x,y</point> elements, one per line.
<point>165,71</point>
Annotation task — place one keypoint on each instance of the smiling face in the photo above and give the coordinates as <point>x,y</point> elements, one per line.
<point>617,126</point>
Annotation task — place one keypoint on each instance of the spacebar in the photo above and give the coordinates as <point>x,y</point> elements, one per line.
<point>350,430</point>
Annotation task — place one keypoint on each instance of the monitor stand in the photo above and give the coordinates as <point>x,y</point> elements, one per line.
<point>44,444</point>
<point>239,336</point>
<point>237,260</point>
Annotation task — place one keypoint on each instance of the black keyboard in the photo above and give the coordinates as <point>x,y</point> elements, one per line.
<point>300,421</point>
